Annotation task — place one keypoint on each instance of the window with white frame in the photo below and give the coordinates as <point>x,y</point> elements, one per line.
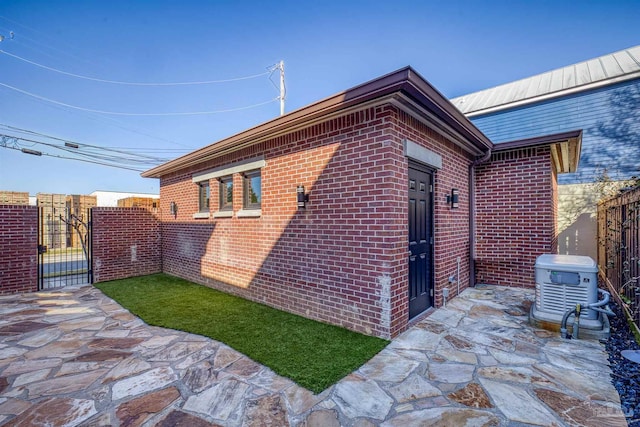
<point>249,171</point>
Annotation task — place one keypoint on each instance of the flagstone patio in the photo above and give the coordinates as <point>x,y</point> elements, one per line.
<point>75,357</point>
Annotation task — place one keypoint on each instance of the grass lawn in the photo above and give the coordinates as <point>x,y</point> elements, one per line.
<point>313,354</point>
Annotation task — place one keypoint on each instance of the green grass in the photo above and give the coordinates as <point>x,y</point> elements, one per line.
<point>313,354</point>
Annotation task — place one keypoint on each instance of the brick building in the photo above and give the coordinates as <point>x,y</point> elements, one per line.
<point>54,229</point>
<point>148,203</point>
<point>600,96</point>
<point>78,207</point>
<point>14,198</point>
<point>361,209</point>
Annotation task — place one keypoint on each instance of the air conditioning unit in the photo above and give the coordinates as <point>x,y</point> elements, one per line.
<point>562,281</point>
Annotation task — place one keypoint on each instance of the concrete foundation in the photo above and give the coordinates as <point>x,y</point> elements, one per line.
<point>594,329</point>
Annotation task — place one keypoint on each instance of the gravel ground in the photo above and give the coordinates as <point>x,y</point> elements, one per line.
<point>625,374</point>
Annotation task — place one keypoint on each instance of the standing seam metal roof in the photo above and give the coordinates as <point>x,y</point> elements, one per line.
<point>607,69</point>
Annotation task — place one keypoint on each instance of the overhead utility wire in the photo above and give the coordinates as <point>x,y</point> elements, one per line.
<point>38,153</point>
<point>204,82</point>
<point>137,151</point>
<point>118,113</point>
<point>112,121</point>
<point>74,158</point>
<point>80,144</point>
<point>70,143</point>
<point>75,149</point>
<point>93,156</point>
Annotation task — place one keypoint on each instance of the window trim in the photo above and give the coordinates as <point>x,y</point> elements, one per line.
<point>238,167</point>
<point>223,214</point>
<point>249,213</point>
<point>246,185</point>
<point>421,154</point>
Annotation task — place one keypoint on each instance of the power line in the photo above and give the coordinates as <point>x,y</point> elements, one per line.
<point>49,46</point>
<point>95,79</point>
<point>118,113</point>
<point>112,121</point>
<point>80,160</point>
<point>94,152</point>
<point>3,144</point>
<point>102,116</point>
<point>81,144</point>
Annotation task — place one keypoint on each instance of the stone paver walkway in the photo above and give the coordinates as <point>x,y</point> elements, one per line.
<point>75,357</point>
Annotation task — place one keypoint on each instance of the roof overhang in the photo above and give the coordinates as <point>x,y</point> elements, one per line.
<point>565,148</point>
<point>548,96</point>
<point>606,70</point>
<point>404,88</point>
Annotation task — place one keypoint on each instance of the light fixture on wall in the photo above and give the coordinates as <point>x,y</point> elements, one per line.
<point>173,208</point>
<point>302,197</point>
<point>453,198</point>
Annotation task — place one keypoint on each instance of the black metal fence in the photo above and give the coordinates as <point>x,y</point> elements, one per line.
<point>619,248</point>
<point>64,246</point>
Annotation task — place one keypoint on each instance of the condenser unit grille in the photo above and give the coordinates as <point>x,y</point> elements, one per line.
<point>559,298</point>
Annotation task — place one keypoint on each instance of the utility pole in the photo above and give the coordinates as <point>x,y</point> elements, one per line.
<point>282,88</point>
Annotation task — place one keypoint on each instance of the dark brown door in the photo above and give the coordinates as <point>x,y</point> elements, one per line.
<point>420,240</point>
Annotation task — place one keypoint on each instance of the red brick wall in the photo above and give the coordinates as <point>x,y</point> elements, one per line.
<point>451,226</point>
<point>19,249</point>
<point>554,207</point>
<point>322,262</point>
<point>126,243</point>
<point>515,215</point>
<point>339,259</point>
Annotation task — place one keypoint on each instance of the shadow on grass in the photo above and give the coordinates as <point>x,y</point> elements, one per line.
<point>313,354</point>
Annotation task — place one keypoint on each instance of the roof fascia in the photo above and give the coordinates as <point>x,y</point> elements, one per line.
<point>429,96</point>
<point>565,148</point>
<point>375,92</point>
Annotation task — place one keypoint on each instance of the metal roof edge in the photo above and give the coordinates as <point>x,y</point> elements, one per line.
<point>536,141</point>
<point>552,95</point>
<point>452,115</point>
<point>402,80</point>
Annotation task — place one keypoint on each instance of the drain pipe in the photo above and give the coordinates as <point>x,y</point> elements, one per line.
<point>472,221</point>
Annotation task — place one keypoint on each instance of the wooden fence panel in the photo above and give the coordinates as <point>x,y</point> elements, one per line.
<point>619,247</point>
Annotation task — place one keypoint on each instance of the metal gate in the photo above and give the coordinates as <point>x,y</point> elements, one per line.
<point>64,244</point>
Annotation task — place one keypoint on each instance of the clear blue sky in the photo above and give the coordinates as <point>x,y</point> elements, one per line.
<point>327,46</point>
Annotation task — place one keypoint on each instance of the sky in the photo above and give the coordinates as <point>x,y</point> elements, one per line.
<point>63,65</point>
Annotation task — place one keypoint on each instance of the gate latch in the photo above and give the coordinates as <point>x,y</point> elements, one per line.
<point>42,249</point>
